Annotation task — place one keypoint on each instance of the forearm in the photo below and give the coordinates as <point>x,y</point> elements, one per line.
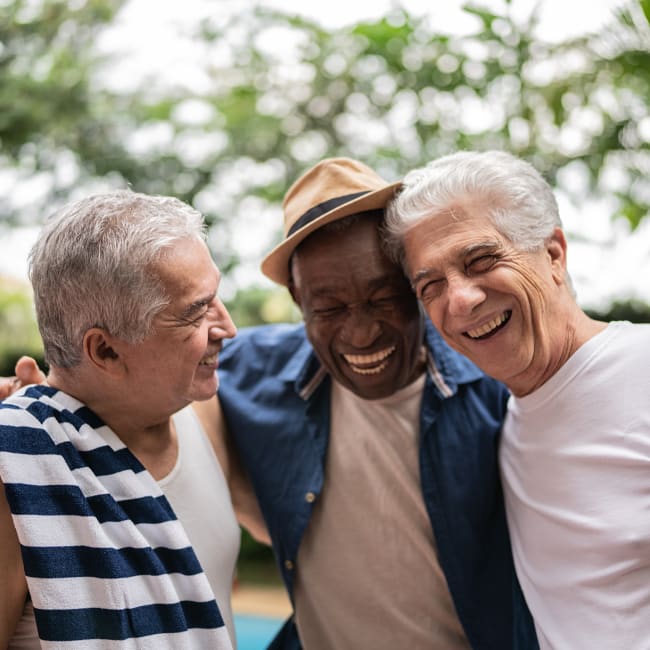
<point>13,586</point>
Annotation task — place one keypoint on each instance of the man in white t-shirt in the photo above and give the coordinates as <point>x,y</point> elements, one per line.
<point>482,243</point>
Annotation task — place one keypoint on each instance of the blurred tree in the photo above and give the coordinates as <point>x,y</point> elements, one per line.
<point>635,311</point>
<point>645,6</point>
<point>397,93</point>
<point>56,128</point>
<point>18,331</point>
<point>277,92</point>
<point>254,305</point>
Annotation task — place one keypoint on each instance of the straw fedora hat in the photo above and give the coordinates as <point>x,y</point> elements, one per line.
<point>332,189</point>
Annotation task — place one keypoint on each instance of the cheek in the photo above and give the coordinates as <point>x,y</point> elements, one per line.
<point>535,287</point>
<point>319,335</point>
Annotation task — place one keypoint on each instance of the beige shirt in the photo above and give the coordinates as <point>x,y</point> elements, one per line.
<point>367,573</point>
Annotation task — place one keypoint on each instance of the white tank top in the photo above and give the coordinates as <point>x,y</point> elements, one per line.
<point>198,493</point>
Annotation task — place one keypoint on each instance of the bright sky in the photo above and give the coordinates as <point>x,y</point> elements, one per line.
<point>150,42</point>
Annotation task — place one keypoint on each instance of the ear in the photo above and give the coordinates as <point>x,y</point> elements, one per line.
<point>556,248</point>
<point>102,350</point>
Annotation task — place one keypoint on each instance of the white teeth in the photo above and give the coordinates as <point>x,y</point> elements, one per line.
<point>369,371</point>
<point>360,362</point>
<point>488,327</point>
<point>208,361</point>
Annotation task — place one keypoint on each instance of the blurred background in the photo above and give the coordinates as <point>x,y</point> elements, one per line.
<point>224,103</point>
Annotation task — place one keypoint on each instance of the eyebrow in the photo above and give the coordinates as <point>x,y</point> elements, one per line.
<point>480,246</point>
<point>197,305</point>
<point>420,275</point>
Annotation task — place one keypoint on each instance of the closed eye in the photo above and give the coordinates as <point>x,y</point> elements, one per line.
<point>481,264</point>
<point>195,313</point>
<point>429,289</point>
<point>328,311</point>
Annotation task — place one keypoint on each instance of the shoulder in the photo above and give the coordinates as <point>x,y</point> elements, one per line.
<point>638,331</point>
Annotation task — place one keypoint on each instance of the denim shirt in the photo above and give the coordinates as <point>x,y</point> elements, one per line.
<point>275,396</point>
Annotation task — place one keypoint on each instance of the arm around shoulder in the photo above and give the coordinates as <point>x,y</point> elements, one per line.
<point>242,495</point>
<point>27,372</point>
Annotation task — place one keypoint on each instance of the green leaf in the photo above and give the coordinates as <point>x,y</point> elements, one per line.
<point>645,5</point>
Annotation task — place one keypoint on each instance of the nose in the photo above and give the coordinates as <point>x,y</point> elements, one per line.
<point>463,295</point>
<point>222,327</point>
<point>361,328</point>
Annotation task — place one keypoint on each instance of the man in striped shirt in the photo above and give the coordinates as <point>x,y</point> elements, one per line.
<point>126,299</point>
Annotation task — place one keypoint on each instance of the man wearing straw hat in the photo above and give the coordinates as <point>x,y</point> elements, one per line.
<point>371,445</point>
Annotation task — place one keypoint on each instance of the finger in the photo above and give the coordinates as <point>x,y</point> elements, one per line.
<point>28,372</point>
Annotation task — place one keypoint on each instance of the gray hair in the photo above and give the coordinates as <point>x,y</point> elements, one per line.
<point>94,265</point>
<point>515,197</point>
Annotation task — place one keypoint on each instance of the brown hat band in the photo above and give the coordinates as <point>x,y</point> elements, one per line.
<point>322,208</point>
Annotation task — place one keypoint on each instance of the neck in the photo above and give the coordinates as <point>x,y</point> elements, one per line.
<point>570,337</point>
<point>151,437</point>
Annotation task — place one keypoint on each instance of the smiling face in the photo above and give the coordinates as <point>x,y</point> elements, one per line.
<point>177,363</point>
<point>360,313</point>
<point>502,308</point>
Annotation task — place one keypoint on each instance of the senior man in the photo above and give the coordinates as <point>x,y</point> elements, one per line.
<point>483,246</point>
<point>371,445</point>
<point>91,552</point>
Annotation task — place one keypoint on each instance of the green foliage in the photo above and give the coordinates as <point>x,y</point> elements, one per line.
<point>645,5</point>
<point>396,93</point>
<point>256,563</point>
<point>634,311</point>
<point>256,305</point>
<point>280,92</point>
<point>18,330</point>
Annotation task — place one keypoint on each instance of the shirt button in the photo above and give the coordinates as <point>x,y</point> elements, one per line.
<point>310,497</point>
<point>288,565</point>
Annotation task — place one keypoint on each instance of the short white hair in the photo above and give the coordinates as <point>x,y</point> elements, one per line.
<point>94,265</point>
<point>516,198</point>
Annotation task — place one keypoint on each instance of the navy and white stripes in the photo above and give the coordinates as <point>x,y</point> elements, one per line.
<point>107,563</point>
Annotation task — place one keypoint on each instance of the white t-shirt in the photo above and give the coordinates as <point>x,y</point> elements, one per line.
<point>575,463</point>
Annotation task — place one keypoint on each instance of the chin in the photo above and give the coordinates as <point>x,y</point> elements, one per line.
<point>205,392</point>
<point>373,392</point>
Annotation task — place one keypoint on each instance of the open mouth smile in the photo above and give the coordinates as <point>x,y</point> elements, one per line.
<point>209,360</point>
<point>369,364</point>
<point>490,328</point>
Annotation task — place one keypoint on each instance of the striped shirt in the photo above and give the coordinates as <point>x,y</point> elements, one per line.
<point>107,563</point>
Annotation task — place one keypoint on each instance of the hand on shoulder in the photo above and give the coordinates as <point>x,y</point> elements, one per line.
<point>27,372</point>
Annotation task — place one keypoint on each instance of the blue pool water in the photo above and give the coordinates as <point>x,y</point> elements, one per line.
<point>255,632</point>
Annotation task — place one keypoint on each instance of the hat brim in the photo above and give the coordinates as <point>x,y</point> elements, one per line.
<point>276,264</point>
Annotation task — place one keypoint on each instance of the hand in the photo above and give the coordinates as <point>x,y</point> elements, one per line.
<point>27,372</point>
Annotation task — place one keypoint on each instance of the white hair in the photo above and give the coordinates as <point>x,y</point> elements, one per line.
<point>513,194</point>
<point>94,265</point>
